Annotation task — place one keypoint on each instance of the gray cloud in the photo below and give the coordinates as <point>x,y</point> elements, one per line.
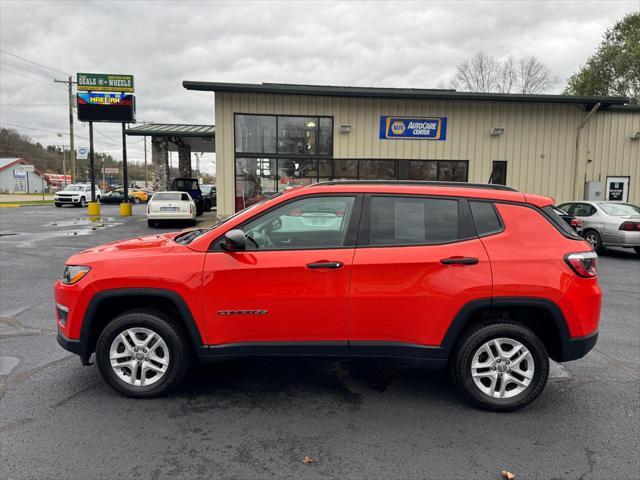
<point>401,44</point>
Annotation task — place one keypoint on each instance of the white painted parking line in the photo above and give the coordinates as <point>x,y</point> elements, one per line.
<point>7,364</point>
<point>557,371</point>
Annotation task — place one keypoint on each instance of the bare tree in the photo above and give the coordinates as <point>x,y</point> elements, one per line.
<point>485,73</point>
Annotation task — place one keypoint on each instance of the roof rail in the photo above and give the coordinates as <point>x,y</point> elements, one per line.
<point>425,183</point>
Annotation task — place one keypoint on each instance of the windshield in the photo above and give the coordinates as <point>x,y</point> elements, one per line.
<point>206,189</point>
<point>620,209</point>
<point>74,188</point>
<point>170,196</point>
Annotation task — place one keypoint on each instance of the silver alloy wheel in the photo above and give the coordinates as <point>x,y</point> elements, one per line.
<point>592,240</point>
<point>139,356</point>
<point>502,368</point>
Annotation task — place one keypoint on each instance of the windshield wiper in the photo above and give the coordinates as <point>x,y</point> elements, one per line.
<point>190,236</point>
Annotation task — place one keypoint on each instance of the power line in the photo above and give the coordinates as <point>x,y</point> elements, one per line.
<point>33,104</point>
<point>27,70</point>
<point>4,69</point>
<point>53,131</point>
<point>35,63</point>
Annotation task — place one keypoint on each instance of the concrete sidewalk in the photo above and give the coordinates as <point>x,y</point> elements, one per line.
<point>23,197</point>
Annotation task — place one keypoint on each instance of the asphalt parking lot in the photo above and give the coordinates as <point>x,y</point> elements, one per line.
<point>259,419</point>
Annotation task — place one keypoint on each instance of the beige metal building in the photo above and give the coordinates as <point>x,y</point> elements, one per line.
<point>270,136</point>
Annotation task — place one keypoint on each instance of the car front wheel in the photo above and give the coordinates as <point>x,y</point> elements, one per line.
<point>141,354</point>
<point>83,202</point>
<point>500,366</point>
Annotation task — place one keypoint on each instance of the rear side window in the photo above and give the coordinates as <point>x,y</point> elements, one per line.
<point>559,223</point>
<point>485,217</point>
<point>413,221</point>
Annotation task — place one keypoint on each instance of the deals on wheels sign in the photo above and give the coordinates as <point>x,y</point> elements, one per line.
<point>413,128</point>
<point>106,107</point>
<point>104,82</point>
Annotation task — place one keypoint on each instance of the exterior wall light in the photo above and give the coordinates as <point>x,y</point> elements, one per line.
<point>345,128</point>
<point>635,136</point>
<point>496,131</point>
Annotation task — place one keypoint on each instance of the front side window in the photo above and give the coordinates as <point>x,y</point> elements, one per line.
<point>310,223</point>
<point>413,221</point>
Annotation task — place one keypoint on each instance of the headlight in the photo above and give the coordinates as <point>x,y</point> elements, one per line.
<point>73,274</point>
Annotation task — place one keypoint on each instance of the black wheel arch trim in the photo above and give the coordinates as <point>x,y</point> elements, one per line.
<point>571,348</point>
<point>85,350</point>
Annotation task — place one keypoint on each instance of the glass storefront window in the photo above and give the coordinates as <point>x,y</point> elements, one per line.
<point>255,179</point>
<point>424,170</point>
<point>452,171</point>
<point>325,139</point>
<point>377,169</point>
<point>297,135</point>
<point>297,172</point>
<point>255,134</point>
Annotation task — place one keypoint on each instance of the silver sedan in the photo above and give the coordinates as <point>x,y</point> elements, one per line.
<point>607,224</point>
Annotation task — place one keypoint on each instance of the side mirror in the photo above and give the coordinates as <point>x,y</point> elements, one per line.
<point>235,240</point>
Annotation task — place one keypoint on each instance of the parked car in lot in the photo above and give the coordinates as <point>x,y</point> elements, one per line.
<point>135,195</point>
<point>76,194</point>
<point>165,206</point>
<point>607,224</point>
<point>114,196</point>
<point>572,221</point>
<point>209,194</point>
<point>191,186</point>
<point>484,280</point>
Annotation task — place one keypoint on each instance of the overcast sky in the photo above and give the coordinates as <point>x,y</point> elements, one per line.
<point>385,43</point>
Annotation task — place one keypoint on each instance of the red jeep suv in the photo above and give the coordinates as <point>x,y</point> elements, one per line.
<point>482,279</point>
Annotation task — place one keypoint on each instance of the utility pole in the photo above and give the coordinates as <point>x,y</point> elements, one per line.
<point>70,84</point>
<point>146,182</point>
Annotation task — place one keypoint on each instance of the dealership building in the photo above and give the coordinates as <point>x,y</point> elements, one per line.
<point>271,136</point>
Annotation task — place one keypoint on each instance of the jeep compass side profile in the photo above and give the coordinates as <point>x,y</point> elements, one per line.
<point>481,279</point>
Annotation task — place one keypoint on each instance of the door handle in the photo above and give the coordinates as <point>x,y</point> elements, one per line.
<point>325,265</point>
<point>459,261</point>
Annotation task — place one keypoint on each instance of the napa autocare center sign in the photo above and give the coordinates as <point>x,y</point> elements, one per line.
<point>413,128</point>
<point>104,82</point>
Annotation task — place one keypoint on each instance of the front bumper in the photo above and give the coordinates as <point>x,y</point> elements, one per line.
<point>74,346</point>
<point>66,200</point>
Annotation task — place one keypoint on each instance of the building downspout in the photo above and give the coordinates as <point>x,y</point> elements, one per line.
<point>576,188</point>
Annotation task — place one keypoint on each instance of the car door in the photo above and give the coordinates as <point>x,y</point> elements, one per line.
<point>417,263</point>
<point>288,290</point>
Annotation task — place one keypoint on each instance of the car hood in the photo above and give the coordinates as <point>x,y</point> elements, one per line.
<point>132,246</point>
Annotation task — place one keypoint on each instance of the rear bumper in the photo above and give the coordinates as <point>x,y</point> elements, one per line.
<point>624,239</point>
<point>577,347</point>
<point>171,216</point>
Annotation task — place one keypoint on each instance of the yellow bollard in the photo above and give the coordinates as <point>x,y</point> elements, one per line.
<point>125,209</point>
<point>93,210</point>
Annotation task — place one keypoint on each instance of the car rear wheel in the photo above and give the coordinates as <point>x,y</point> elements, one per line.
<point>637,249</point>
<point>141,354</point>
<point>593,238</point>
<point>500,366</point>
<point>151,223</point>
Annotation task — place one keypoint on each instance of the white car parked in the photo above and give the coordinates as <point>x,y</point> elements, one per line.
<point>76,194</point>
<point>170,206</point>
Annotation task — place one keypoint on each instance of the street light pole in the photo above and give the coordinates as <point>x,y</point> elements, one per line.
<point>70,84</point>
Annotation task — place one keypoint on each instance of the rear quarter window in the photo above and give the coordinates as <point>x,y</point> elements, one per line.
<point>485,217</point>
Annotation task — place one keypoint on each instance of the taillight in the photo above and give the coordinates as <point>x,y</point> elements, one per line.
<point>190,208</point>
<point>576,222</point>
<point>585,264</point>
<point>630,226</point>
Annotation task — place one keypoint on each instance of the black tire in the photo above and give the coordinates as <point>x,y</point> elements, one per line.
<point>199,208</point>
<point>175,339</point>
<point>58,204</point>
<point>474,340</point>
<point>151,223</point>
<point>83,202</point>
<point>193,222</point>
<point>136,200</point>
<point>637,249</point>
<point>593,238</point>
